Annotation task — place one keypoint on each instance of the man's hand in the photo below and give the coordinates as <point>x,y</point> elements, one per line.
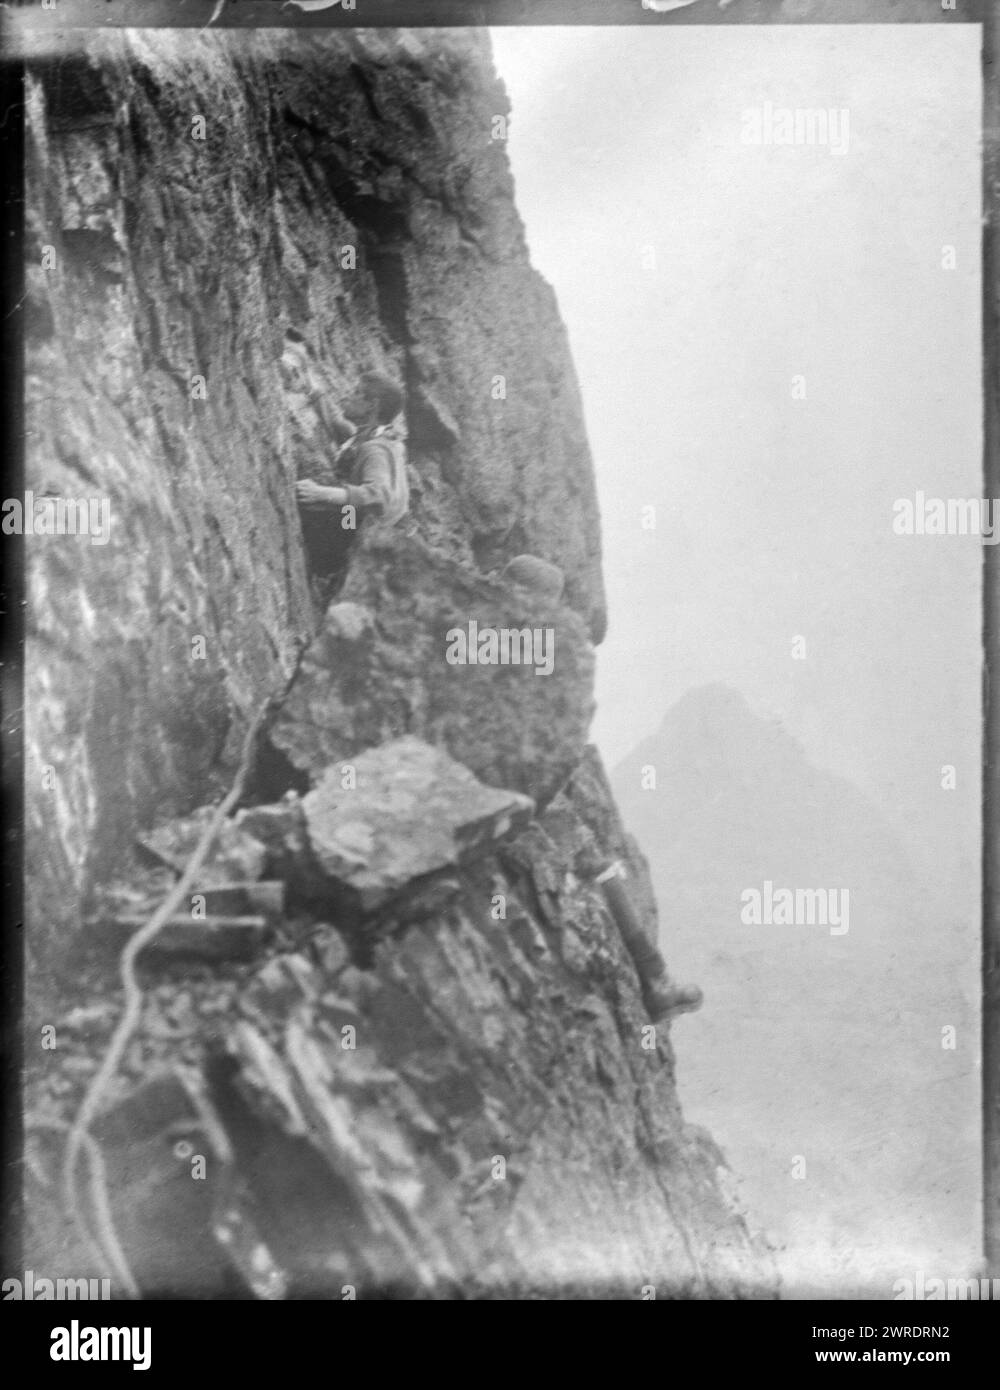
<point>310,494</point>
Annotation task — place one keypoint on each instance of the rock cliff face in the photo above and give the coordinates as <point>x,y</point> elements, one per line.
<point>444,1084</point>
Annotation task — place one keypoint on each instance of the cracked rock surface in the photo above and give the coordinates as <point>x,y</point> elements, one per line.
<point>432,1075</point>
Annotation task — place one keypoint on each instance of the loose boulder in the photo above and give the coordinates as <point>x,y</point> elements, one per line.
<point>408,811</point>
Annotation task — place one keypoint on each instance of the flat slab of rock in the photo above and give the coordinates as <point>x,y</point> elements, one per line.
<point>266,897</point>
<point>412,811</point>
<point>234,854</point>
<point>208,938</point>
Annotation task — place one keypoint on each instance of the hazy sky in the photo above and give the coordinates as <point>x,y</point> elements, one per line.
<point>697,276</point>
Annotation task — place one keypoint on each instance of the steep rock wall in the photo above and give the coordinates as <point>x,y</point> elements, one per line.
<point>178,258</point>
<point>155,339</point>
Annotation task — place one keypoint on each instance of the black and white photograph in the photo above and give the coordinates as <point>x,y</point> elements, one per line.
<point>501,594</point>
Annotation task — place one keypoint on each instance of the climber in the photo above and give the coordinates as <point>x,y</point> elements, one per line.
<point>371,460</point>
<point>369,467</point>
<point>661,996</point>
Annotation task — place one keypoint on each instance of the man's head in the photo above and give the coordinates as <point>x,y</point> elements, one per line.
<point>376,400</point>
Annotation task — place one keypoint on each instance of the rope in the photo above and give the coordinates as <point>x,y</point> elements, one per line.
<point>105,1246</point>
<point>79,1133</point>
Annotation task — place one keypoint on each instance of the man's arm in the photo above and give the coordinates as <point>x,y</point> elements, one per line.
<point>371,494</point>
<point>311,494</point>
<point>334,420</point>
